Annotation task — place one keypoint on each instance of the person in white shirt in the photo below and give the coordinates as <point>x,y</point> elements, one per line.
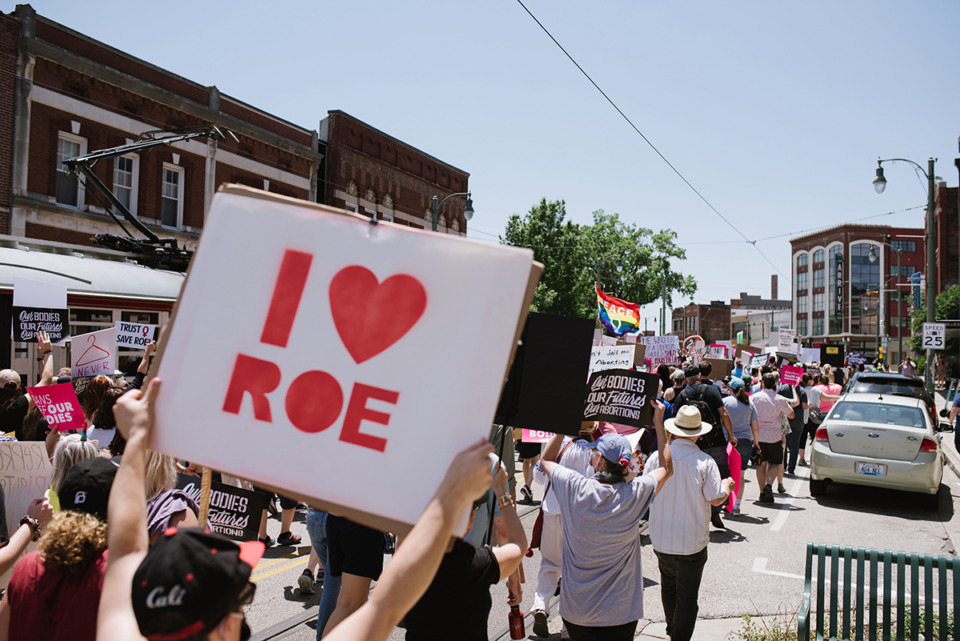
<point>680,520</point>
<point>575,455</point>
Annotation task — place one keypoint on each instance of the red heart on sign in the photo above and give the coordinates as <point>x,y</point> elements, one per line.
<point>370,316</point>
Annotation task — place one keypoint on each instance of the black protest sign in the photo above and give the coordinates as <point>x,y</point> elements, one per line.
<point>27,321</point>
<point>832,354</point>
<point>621,396</point>
<point>234,512</point>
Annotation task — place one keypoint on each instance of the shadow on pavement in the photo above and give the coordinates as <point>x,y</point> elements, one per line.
<point>876,500</point>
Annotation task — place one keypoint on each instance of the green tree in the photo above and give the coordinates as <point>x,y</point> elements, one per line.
<point>576,256</point>
<point>947,306</point>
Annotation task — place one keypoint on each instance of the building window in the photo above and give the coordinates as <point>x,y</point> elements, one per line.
<point>171,197</point>
<point>818,256</point>
<point>864,289</point>
<point>69,186</point>
<point>802,304</point>
<point>905,270</point>
<point>905,245</point>
<point>126,171</point>
<point>818,278</point>
<point>802,326</point>
<point>802,281</point>
<point>817,326</point>
<point>802,260</point>
<point>818,302</point>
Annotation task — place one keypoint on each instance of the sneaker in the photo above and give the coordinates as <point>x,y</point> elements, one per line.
<point>526,496</point>
<point>766,494</point>
<point>288,538</point>
<point>268,542</point>
<point>781,489</point>
<point>320,575</point>
<point>540,628</point>
<point>803,463</point>
<point>736,509</point>
<point>305,581</point>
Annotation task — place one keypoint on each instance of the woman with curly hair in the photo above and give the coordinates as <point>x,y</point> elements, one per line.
<point>54,593</point>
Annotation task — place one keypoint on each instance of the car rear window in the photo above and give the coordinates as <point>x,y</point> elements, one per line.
<point>878,413</point>
<point>897,388</point>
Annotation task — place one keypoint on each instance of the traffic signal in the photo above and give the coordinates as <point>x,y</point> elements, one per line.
<point>881,353</point>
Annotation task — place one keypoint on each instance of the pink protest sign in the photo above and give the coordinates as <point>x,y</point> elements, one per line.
<point>791,374</point>
<point>535,436</point>
<point>733,460</point>
<point>59,405</point>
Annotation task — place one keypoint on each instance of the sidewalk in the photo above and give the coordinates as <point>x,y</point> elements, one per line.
<point>952,458</point>
<point>713,629</point>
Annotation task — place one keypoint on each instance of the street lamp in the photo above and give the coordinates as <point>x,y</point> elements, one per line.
<point>435,207</point>
<point>880,183</point>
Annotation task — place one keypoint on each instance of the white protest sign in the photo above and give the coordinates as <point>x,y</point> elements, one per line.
<point>697,354</point>
<point>94,353</point>
<point>611,357</point>
<point>810,355</point>
<point>716,351</point>
<point>135,335</point>
<point>337,358</point>
<point>787,337</point>
<point>24,475</point>
<point>608,340</point>
<point>661,350</point>
<point>34,293</point>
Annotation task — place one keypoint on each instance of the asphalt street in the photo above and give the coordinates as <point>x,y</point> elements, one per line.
<point>755,566</point>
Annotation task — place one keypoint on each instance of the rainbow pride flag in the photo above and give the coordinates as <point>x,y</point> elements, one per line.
<point>618,316</point>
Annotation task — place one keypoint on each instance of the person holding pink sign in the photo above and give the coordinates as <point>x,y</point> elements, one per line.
<point>14,401</point>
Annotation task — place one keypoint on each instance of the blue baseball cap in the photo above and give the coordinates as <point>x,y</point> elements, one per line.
<point>614,448</point>
<point>736,384</point>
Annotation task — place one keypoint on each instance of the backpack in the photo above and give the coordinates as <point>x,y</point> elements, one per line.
<point>715,437</point>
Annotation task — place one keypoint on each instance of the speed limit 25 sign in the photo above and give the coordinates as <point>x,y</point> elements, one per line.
<point>934,336</point>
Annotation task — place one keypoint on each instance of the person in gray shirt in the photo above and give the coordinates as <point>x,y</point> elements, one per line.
<point>602,596</point>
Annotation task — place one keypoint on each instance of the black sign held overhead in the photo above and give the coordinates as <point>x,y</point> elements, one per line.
<point>27,321</point>
<point>621,396</point>
<point>234,512</point>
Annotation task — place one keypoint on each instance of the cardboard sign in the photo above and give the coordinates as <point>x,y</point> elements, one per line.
<point>233,512</point>
<point>809,355</point>
<point>741,349</point>
<point>787,337</point>
<point>94,353</point>
<point>661,350</point>
<point>27,321</point>
<point>24,475</point>
<point>604,357</point>
<point>790,374</point>
<point>135,335</point>
<point>621,396</point>
<point>719,367</point>
<point>535,436</point>
<point>59,405</point>
<point>337,352</point>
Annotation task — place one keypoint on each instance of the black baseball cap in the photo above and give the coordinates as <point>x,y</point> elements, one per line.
<point>693,370</point>
<point>86,487</point>
<point>189,580</point>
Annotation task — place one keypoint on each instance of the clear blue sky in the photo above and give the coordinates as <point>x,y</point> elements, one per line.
<point>776,112</point>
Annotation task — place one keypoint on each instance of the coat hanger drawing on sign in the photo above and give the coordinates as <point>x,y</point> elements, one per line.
<point>83,360</point>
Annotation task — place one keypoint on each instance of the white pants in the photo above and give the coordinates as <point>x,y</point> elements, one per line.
<point>551,551</point>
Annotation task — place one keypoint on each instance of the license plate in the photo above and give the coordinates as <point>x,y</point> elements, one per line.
<point>871,469</point>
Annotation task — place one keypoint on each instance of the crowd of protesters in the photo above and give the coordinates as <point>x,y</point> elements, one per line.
<point>120,555</point>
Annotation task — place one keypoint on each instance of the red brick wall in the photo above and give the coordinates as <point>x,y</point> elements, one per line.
<point>9,35</point>
<point>45,232</point>
<point>374,160</point>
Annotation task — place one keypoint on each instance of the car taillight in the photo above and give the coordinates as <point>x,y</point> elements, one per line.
<point>822,435</point>
<point>929,444</point>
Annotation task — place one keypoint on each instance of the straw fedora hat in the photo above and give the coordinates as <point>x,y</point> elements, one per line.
<point>687,423</point>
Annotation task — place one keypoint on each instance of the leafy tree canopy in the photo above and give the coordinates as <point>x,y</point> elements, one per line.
<point>947,306</point>
<point>575,256</point>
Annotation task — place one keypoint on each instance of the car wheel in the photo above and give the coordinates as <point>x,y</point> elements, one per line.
<point>818,487</point>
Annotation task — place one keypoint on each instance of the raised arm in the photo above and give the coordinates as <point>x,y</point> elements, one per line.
<point>45,356</point>
<point>127,517</point>
<point>10,553</point>
<point>510,552</point>
<point>665,468</point>
<point>145,361</point>
<point>409,573</point>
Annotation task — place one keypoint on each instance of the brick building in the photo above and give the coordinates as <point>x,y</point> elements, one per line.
<point>368,171</point>
<point>846,286</point>
<point>948,241</point>
<point>711,321</point>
